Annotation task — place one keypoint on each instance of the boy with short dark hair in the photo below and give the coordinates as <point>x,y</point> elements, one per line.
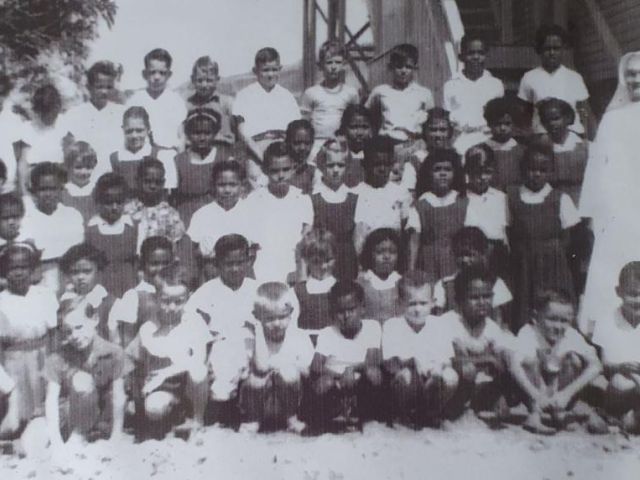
<point>166,108</point>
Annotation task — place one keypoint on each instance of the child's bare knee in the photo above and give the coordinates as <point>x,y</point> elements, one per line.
<point>82,383</point>
<point>198,374</point>
<point>158,405</point>
<point>621,384</point>
<point>450,378</point>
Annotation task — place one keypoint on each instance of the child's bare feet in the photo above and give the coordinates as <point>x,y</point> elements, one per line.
<point>295,425</point>
<point>534,424</point>
<point>249,427</point>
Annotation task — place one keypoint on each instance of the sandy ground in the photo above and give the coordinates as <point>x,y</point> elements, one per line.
<point>465,450</point>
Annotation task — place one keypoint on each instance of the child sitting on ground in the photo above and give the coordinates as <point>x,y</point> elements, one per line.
<point>419,367</point>
<point>471,249</point>
<point>346,376</point>
<point>80,161</point>
<point>553,363</point>
<point>169,353</point>
<point>205,78</point>
<point>282,354</point>
<point>617,338</point>
<point>85,386</point>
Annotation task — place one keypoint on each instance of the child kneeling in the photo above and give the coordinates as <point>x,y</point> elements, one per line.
<point>282,354</point>
<point>417,362</point>
<point>170,359</point>
<point>553,363</point>
<point>346,376</point>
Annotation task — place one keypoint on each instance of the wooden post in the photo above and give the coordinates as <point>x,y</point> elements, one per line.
<point>506,21</point>
<point>342,20</point>
<point>309,43</point>
<point>333,19</point>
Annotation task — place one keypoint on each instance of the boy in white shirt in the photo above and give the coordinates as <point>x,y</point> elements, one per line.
<point>346,375</point>
<point>618,337</point>
<point>401,108</point>
<point>466,94</point>
<point>553,363</point>
<point>166,108</point>
<point>417,362</point>
<point>281,357</point>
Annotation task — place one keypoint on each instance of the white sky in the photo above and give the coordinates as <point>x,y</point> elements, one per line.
<point>230,31</point>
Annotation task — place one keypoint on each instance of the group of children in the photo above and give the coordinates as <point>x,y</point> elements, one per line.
<point>262,265</point>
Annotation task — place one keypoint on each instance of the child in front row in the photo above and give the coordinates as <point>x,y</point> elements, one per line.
<point>270,396</point>
<point>138,304</point>
<point>553,363</point>
<point>471,249</point>
<point>416,361</point>
<point>114,233</point>
<point>346,376</point>
<point>617,337</point>
<point>80,161</point>
<point>170,380</point>
<point>85,386</point>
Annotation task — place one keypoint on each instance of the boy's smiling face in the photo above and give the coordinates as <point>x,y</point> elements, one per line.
<point>79,328</point>
<point>268,74</point>
<point>157,74</point>
<point>275,322</point>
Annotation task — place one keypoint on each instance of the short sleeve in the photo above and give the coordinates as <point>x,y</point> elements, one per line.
<point>439,294</point>
<point>501,293</point>
<point>306,210</point>
<point>524,91</point>
<point>324,345</point>
<point>448,95</point>
<point>525,345</point>
<point>54,368</point>
<point>581,92</point>
<point>413,220</point>
<point>167,157</point>
<point>51,310</point>
<point>124,310</point>
<point>569,216</point>
<point>307,103</point>
<point>429,101</point>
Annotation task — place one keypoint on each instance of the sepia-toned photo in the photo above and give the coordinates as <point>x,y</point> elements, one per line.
<point>320,239</point>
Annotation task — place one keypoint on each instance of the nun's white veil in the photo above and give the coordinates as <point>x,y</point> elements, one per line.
<point>622,97</point>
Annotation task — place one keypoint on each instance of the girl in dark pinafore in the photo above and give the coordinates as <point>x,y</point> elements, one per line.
<point>334,207</point>
<point>114,233</point>
<point>441,211</point>
<point>541,217</point>
<point>195,164</point>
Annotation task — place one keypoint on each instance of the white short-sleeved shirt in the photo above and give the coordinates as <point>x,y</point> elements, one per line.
<point>425,346</point>
<point>466,98</point>
<point>409,177</point>
<point>166,157</point>
<point>54,233</point>
<point>166,114</point>
<point>125,309</point>
<point>263,111</point>
<point>44,143</point>
<point>617,338</point>
<point>530,340</point>
<point>229,310</point>
<point>99,128</point>
<point>295,353</point>
<point>401,109</point>
<point>27,317</point>
<point>564,83</point>
<point>489,212</point>
<point>569,215</point>
<point>277,225</point>
<point>342,352</point>
<point>501,293</point>
<point>326,107</point>
<point>492,335</point>
<point>211,222</point>
<point>384,207</point>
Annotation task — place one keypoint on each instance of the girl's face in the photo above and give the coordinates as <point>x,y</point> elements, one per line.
<point>83,275</point>
<point>358,130</point>
<point>474,56</point>
<point>632,77</point>
<point>334,169</point>
<point>554,122</point>
<point>280,171</point>
<point>321,267</point>
<point>502,130</point>
<point>80,172</point>
<point>385,258</point>
<point>136,133</point>
<point>155,262</point>
<point>442,173</point>
<point>477,302</point>
<point>19,270</point>
<point>101,90</point>
<point>112,204</point>
<point>152,185</point>
<point>537,172</point>
<point>201,135</point>
<point>10,219</point>
<point>480,179</point>
<point>437,133</point>
<point>469,257</point>
<point>47,193</point>
<point>378,169</point>
<point>268,74</point>
<point>228,188</point>
<point>300,145</point>
<point>551,53</point>
<point>233,268</point>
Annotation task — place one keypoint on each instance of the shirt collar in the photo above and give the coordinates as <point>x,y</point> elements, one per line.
<point>502,147</point>
<point>534,197</point>
<point>316,287</point>
<point>94,297</point>
<point>435,201</point>
<point>145,286</point>
<point>77,191</point>
<point>491,192</point>
<point>107,228</point>
<point>332,196</point>
<point>125,155</point>
<point>379,284</point>
<point>570,143</point>
<point>197,159</point>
